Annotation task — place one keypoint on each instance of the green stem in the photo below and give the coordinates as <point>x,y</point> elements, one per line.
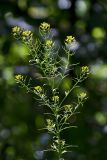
<point>58,137</point>
<point>57,126</point>
<point>68,93</point>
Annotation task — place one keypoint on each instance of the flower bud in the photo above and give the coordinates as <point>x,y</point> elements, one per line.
<point>55,99</point>
<point>37,89</point>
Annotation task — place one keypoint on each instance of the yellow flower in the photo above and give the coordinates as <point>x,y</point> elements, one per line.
<point>26,34</point>
<point>69,39</point>
<point>19,77</point>
<point>85,69</point>
<point>68,108</point>
<point>50,124</point>
<point>55,98</point>
<point>45,26</point>
<point>82,95</point>
<point>16,29</point>
<point>37,89</point>
<point>49,43</point>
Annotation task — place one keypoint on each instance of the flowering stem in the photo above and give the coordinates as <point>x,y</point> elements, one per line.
<point>42,55</point>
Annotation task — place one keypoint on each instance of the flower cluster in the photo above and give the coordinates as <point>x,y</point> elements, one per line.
<point>37,89</point>
<point>26,35</point>
<point>68,108</point>
<point>85,70</point>
<point>44,26</point>
<point>82,96</point>
<point>55,99</point>
<point>50,125</point>
<point>16,30</point>
<point>71,44</point>
<point>59,144</point>
<point>69,39</point>
<point>18,78</point>
<point>49,44</point>
<point>44,30</point>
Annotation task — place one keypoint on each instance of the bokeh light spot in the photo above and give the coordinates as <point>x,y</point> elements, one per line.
<point>98,32</point>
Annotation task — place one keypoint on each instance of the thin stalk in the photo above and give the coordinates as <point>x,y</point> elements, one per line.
<point>57,125</point>
<point>58,137</point>
<point>68,93</point>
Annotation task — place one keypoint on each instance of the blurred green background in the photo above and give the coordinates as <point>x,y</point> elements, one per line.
<point>20,116</point>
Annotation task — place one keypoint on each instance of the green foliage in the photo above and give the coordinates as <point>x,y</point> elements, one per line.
<point>44,54</point>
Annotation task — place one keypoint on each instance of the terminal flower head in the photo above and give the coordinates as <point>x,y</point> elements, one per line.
<point>45,26</point>
<point>18,78</point>
<point>50,125</point>
<point>55,99</point>
<point>49,44</point>
<point>69,39</point>
<point>68,108</point>
<point>85,70</point>
<point>26,35</point>
<point>37,89</point>
<point>82,96</point>
<point>16,30</point>
<point>71,43</point>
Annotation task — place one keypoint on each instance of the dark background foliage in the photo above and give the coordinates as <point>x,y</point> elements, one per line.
<point>20,116</point>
